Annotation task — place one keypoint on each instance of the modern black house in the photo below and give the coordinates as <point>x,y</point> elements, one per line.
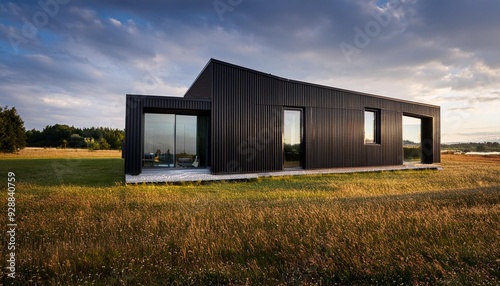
<point>237,120</point>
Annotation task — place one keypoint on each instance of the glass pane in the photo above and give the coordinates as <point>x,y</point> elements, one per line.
<point>370,127</point>
<point>159,140</point>
<point>186,150</point>
<point>292,139</point>
<point>411,138</point>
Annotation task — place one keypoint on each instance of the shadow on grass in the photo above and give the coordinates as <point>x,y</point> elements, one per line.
<point>55,172</point>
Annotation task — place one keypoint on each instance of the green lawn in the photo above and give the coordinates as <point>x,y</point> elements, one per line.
<point>78,224</point>
<point>96,172</point>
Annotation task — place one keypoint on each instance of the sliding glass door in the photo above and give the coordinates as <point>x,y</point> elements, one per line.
<point>159,140</point>
<point>175,141</point>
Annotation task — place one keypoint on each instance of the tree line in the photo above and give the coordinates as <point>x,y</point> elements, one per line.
<point>473,147</point>
<point>64,136</point>
<point>14,137</point>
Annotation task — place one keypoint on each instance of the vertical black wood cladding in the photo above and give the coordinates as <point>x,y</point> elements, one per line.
<point>247,114</point>
<point>437,136</point>
<point>246,135</point>
<point>246,132</point>
<point>202,86</point>
<point>133,134</point>
<point>392,129</point>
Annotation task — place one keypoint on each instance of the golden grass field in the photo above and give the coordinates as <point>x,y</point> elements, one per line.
<point>58,153</point>
<point>80,225</point>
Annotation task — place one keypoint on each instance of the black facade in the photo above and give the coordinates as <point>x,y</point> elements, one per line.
<point>246,123</point>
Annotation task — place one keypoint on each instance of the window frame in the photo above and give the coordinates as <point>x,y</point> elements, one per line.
<point>376,126</point>
<point>302,133</point>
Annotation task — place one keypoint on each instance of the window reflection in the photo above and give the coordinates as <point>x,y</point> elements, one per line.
<point>159,140</point>
<point>412,146</point>
<point>369,127</point>
<point>185,140</point>
<point>175,141</point>
<point>292,149</point>
<point>372,126</point>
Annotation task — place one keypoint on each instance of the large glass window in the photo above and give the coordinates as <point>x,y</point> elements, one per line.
<point>372,126</point>
<point>175,141</point>
<point>159,143</point>
<point>412,146</point>
<point>185,127</point>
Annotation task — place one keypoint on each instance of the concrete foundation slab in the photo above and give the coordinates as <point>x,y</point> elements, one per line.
<point>195,175</point>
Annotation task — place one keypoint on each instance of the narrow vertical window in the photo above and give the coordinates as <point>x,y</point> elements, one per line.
<point>372,126</point>
<point>292,135</point>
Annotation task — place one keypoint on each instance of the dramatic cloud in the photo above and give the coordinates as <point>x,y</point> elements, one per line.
<point>73,61</point>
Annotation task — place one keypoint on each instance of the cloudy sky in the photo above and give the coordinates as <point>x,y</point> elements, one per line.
<point>72,62</point>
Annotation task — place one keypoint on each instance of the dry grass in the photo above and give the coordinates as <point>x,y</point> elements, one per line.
<point>53,153</point>
<point>411,227</point>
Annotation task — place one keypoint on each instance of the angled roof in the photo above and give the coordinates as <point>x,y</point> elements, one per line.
<point>206,72</point>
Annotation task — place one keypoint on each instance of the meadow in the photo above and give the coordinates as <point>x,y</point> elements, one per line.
<point>79,224</point>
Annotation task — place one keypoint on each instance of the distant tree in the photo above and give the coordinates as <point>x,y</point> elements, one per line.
<point>409,142</point>
<point>76,141</point>
<point>104,144</point>
<point>92,145</point>
<point>480,148</point>
<point>93,132</point>
<point>34,138</point>
<point>54,135</point>
<point>12,132</point>
<point>114,137</point>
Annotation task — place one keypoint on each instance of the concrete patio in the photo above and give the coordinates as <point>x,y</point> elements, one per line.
<point>163,175</point>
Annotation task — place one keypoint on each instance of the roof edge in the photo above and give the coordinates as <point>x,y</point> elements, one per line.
<point>167,97</point>
<point>199,75</point>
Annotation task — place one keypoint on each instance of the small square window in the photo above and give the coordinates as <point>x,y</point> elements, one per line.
<point>372,126</point>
